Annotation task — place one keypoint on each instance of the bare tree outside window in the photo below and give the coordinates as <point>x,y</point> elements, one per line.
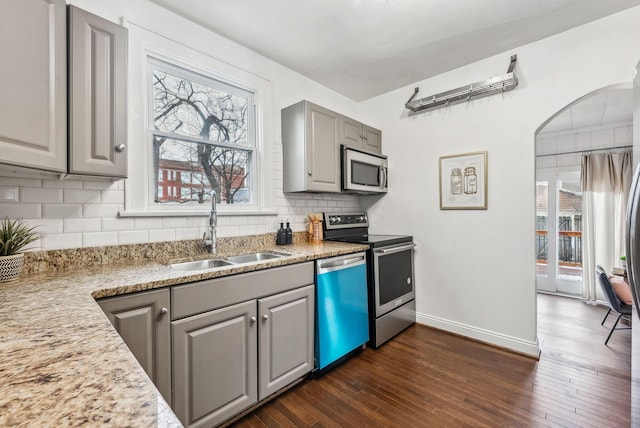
<point>201,133</point>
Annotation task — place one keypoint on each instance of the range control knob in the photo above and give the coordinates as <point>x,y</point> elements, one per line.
<point>361,219</point>
<point>338,219</point>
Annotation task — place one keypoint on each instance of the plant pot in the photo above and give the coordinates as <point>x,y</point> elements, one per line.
<point>11,267</point>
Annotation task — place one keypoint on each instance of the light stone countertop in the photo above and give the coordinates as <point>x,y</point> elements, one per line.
<point>63,364</point>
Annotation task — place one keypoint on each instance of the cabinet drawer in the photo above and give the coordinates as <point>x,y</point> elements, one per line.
<point>216,293</point>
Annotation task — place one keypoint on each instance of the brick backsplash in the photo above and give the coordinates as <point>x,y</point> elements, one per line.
<point>84,213</point>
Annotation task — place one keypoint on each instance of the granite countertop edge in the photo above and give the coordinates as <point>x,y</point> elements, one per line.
<point>62,362</point>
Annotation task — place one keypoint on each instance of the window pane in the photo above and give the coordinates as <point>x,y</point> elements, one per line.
<point>188,171</point>
<point>542,214</point>
<point>569,228</point>
<point>189,108</point>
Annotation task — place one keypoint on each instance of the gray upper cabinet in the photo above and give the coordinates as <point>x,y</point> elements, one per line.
<point>360,136</point>
<point>97,95</point>
<point>372,139</point>
<point>35,131</point>
<point>285,339</point>
<point>143,322</point>
<point>310,140</point>
<point>215,365</point>
<point>350,132</point>
<point>33,84</point>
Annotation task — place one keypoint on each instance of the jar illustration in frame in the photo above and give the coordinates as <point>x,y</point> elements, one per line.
<point>470,181</point>
<point>456,181</point>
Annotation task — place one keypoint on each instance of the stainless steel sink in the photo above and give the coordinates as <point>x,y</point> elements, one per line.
<point>253,257</point>
<point>200,264</point>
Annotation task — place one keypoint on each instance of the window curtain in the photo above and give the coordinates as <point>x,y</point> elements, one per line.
<point>605,181</point>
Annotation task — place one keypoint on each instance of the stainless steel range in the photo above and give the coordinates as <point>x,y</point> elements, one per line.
<point>390,274</point>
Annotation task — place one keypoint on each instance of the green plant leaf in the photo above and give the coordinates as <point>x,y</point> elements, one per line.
<point>15,236</point>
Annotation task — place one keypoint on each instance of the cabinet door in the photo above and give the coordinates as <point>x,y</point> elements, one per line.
<point>143,322</point>
<point>372,139</point>
<point>33,84</point>
<point>97,95</point>
<point>322,149</point>
<point>215,364</point>
<point>350,132</point>
<point>286,339</point>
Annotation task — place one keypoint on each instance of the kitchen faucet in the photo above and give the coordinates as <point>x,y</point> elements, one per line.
<point>209,242</point>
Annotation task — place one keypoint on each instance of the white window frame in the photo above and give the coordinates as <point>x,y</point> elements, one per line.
<point>139,191</point>
<point>179,71</point>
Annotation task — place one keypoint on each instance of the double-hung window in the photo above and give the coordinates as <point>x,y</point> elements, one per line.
<point>202,136</point>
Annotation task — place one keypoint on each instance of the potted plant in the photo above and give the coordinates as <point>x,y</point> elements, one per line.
<point>623,261</point>
<point>14,237</point>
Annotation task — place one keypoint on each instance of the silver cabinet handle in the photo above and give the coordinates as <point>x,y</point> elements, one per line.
<point>164,311</point>
<point>121,148</point>
<point>265,317</point>
<point>309,173</point>
<point>252,320</point>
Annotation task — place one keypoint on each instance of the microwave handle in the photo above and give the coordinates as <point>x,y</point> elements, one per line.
<point>382,176</point>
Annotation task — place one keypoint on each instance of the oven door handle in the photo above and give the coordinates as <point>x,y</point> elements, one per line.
<point>392,250</point>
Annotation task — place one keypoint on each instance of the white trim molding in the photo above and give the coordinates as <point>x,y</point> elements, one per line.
<point>497,339</point>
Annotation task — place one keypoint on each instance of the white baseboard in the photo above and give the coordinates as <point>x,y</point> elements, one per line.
<point>502,340</point>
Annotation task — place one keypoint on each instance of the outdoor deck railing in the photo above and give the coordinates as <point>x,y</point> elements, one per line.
<point>569,247</point>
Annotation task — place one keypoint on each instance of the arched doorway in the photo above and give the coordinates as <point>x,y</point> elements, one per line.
<point>598,121</point>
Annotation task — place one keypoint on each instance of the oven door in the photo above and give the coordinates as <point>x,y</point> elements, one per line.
<point>393,277</point>
<point>363,172</point>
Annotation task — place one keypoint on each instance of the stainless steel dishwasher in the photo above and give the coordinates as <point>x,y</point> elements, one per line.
<point>342,316</point>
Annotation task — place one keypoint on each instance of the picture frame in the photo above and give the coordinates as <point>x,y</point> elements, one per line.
<point>463,181</point>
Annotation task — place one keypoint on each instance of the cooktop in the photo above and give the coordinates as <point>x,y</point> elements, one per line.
<point>354,228</point>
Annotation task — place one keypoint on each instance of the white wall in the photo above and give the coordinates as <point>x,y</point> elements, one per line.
<point>76,213</point>
<point>579,140</point>
<point>475,270</point>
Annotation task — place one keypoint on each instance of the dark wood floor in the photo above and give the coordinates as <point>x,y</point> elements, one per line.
<point>429,378</point>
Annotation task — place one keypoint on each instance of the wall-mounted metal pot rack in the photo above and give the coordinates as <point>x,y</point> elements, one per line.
<point>490,86</point>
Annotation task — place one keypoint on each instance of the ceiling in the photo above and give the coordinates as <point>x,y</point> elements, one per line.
<point>608,106</point>
<point>364,48</point>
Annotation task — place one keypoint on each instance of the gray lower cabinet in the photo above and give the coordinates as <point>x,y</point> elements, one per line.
<point>239,339</point>
<point>97,95</point>
<point>142,319</point>
<point>286,336</point>
<point>215,367</point>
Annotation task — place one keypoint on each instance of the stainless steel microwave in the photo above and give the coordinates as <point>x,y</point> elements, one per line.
<point>364,172</point>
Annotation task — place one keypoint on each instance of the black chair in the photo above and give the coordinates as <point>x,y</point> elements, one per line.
<point>615,304</point>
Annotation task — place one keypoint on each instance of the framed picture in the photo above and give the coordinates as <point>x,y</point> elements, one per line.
<point>463,181</point>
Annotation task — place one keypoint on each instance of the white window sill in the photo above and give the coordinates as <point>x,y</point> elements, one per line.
<point>221,213</point>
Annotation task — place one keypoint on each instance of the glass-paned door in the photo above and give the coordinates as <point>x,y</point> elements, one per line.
<point>559,233</point>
